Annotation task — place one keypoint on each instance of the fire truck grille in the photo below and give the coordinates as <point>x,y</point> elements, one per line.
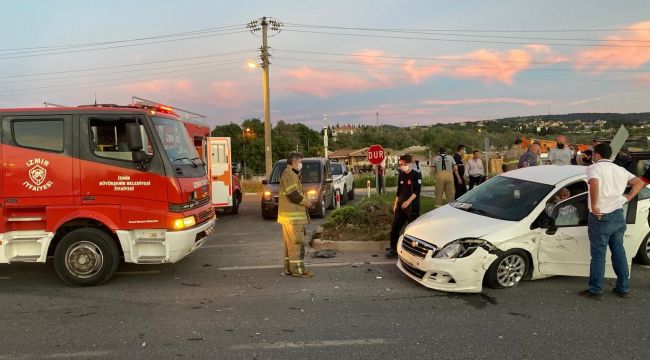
<point>206,215</point>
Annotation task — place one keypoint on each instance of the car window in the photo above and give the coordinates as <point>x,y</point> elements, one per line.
<point>337,169</point>
<point>504,198</point>
<point>571,212</point>
<point>310,172</point>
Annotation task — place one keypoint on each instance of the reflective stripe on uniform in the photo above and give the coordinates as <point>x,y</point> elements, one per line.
<point>290,188</point>
<point>292,216</point>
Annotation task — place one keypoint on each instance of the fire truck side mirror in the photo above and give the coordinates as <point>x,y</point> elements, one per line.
<point>134,137</point>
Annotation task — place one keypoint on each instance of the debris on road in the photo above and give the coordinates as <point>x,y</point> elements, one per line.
<point>324,254</point>
<point>190,284</point>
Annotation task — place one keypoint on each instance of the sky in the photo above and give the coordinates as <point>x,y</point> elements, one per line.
<point>360,62</point>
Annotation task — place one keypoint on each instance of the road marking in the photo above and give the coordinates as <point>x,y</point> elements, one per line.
<point>309,344</point>
<point>137,272</point>
<point>78,354</point>
<point>329,264</point>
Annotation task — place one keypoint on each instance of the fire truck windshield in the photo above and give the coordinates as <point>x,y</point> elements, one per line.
<point>177,143</point>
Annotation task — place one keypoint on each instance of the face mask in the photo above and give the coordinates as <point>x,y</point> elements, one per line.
<point>560,146</point>
<point>404,168</point>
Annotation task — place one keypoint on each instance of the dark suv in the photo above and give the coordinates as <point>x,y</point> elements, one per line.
<point>316,183</point>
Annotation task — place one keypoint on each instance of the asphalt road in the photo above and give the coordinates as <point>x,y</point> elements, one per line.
<point>229,301</point>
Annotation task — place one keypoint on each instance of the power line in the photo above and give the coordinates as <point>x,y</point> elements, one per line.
<point>221,28</point>
<point>426,32</point>
<point>451,66</point>
<point>452,59</point>
<point>471,30</point>
<point>461,40</point>
<point>129,65</point>
<point>34,54</point>
<point>143,77</point>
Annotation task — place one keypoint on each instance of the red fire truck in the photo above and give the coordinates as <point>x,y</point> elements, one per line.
<point>90,184</point>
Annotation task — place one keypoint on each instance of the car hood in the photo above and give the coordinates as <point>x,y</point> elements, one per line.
<point>336,177</point>
<point>446,224</point>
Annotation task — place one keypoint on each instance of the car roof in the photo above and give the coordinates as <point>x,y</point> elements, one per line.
<point>547,174</point>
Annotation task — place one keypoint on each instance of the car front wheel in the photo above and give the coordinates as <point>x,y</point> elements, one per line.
<point>507,270</point>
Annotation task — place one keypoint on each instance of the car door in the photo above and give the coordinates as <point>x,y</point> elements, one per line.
<point>564,247</point>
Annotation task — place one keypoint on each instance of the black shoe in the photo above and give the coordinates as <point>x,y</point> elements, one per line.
<point>589,294</point>
<point>624,295</point>
<point>391,254</point>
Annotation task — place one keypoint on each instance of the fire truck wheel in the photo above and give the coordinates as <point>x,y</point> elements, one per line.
<point>234,209</point>
<point>86,257</point>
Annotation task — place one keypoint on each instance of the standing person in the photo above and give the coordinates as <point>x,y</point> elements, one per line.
<point>459,186</point>
<point>530,157</point>
<point>606,224</point>
<point>446,171</point>
<point>560,155</point>
<point>511,158</point>
<point>292,214</point>
<point>475,170</point>
<point>415,205</point>
<point>407,200</point>
<point>574,155</point>
<point>587,157</point>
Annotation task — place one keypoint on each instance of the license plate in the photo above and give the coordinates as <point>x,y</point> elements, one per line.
<point>408,259</point>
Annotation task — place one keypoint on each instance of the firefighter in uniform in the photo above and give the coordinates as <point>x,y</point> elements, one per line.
<point>511,158</point>
<point>446,171</point>
<point>292,214</point>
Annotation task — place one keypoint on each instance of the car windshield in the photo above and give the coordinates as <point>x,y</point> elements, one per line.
<point>176,141</point>
<point>337,169</point>
<point>310,172</point>
<point>504,198</point>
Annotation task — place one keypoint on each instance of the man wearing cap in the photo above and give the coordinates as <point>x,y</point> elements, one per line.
<point>292,214</point>
<point>606,223</point>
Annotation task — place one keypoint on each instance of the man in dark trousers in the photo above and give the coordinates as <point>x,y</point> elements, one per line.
<point>407,200</point>
<point>459,157</point>
<point>606,224</point>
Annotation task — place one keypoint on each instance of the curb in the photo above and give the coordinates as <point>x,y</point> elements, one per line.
<point>319,244</point>
<point>251,193</point>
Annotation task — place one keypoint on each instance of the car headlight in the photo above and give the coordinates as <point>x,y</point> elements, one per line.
<point>462,248</point>
<point>311,194</point>
<point>267,195</point>
<point>180,224</point>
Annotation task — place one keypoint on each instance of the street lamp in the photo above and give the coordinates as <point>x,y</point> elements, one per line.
<point>244,133</point>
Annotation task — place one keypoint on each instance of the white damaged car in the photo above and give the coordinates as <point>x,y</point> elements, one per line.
<point>526,224</point>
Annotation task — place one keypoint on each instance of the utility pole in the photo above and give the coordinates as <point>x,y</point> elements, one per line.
<point>325,139</point>
<point>255,26</point>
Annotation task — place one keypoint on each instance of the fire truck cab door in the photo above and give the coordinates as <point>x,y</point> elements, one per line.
<point>37,161</point>
<point>220,171</point>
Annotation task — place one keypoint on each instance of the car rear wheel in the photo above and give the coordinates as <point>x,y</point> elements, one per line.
<point>350,194</point>
<point>507,270</point>
<point>643,255</point>
<point>86,257</point>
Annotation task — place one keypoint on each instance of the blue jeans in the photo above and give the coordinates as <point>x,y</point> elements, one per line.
<point>603,232</point>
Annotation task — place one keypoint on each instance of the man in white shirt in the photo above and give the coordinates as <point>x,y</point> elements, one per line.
<point>560,155</point>
<point>475,170</point>
<point>606,224</point>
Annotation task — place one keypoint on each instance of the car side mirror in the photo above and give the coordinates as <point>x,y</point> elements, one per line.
<point>265,182</point>
<point>345,173</point>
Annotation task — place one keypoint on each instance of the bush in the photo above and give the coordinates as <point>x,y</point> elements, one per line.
<point>368,219</point>
<point>251,186</point>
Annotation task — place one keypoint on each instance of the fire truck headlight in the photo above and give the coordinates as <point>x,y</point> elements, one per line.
<point>180,224</point>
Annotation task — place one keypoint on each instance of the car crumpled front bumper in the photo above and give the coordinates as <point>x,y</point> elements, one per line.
<point>464,275</point>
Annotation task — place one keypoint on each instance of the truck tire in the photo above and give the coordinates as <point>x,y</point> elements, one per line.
<point>643,255</point>
<point>507,270</point>
<point>86,257</point>
<point>234,209</point>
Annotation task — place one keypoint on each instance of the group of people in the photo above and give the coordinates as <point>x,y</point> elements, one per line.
<point>451,171</point>
<point>562,154</point>
<point>607,182</point>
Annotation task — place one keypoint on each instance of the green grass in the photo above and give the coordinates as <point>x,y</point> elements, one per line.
<point>251,186</point>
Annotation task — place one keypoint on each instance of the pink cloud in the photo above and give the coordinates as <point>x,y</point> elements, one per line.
<point>324,83</point>
<point>375,64</point>
<point>158,87</point>
<point>416,74</point>
<point>227,94</point>
<point>527,102</point>
<point>492,65</point>
<point>619,51</point>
